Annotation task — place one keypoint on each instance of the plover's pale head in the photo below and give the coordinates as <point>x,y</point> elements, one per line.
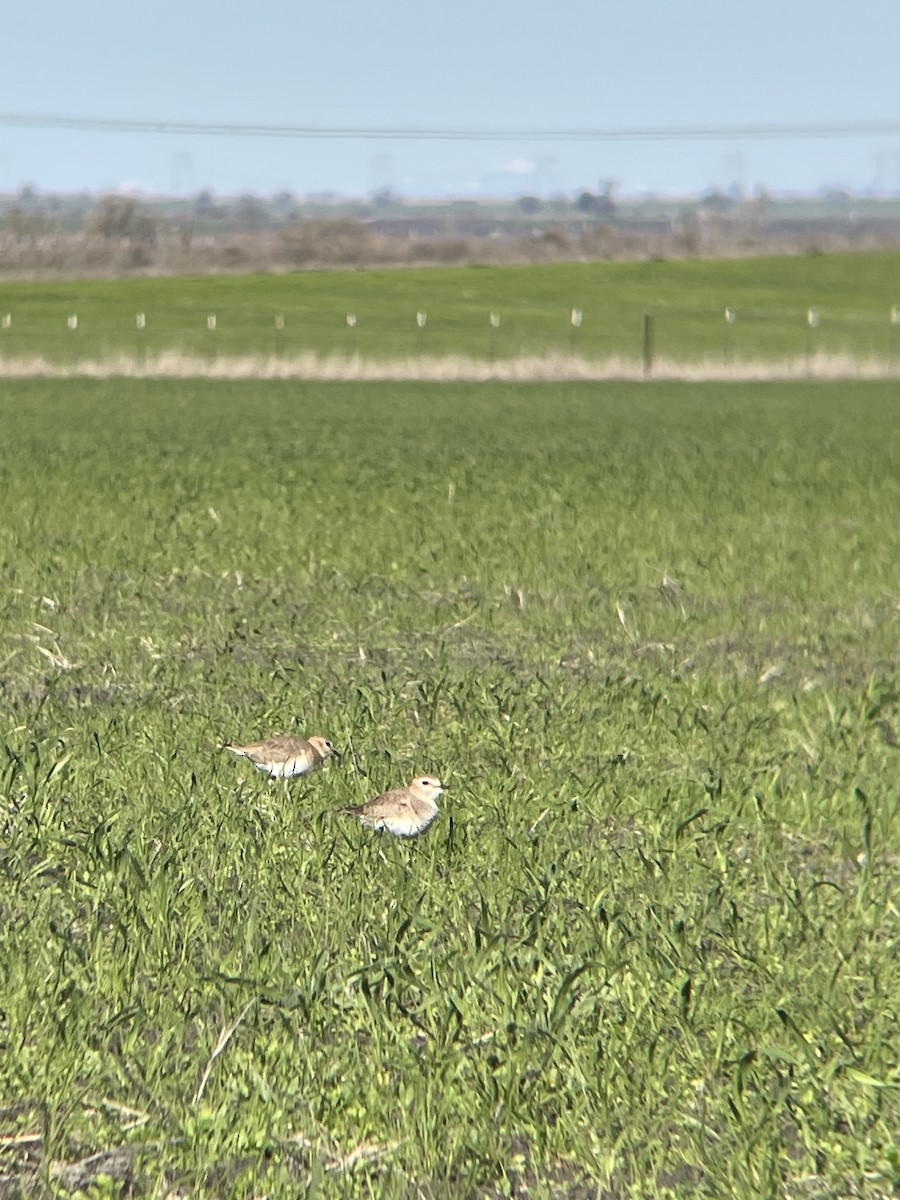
<point>324,747</point>
<point>426,788</point>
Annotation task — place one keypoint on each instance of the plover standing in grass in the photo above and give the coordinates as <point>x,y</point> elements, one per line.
<point>282,755</point>
<point>405,811</point>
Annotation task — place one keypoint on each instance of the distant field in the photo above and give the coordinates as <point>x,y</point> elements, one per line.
<point>646,633</point>
<point>770,298</point>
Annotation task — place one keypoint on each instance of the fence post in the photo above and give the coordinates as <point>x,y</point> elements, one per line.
<point>647,354</point>
<point>812,322</point>
<point>576,325</point>
<point>72,326</point>
<point>493,325</point>
<point>140,323</point>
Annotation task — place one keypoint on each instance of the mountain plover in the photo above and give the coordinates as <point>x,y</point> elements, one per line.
<point>405,811</point>
<point>281,755</point>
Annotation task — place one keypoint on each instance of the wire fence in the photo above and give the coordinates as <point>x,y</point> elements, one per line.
<point>657,341</point>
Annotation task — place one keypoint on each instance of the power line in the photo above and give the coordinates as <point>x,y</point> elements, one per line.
<point>796,130</point>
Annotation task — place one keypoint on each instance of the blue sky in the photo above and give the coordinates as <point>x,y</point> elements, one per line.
<point>529,65</point>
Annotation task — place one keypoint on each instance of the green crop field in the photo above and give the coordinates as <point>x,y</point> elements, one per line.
<point>852,295</point>
<point>647,634</point>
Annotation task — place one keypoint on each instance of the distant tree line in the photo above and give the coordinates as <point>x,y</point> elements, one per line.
<point>120,233</point>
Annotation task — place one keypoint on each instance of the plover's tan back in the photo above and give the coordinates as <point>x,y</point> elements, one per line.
<point>405,811</point>
<point>283,755</point>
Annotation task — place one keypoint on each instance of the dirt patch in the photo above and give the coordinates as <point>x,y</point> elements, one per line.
<point>449,368</point>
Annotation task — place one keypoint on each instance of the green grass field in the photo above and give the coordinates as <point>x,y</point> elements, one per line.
<point>648,636</point>
<point>853,295</point>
